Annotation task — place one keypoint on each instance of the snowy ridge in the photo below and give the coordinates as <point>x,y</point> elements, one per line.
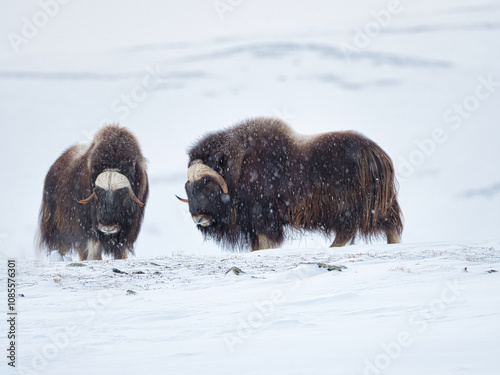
<point>182,313</point>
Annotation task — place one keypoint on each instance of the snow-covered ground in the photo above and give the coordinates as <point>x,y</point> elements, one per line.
<point>421,78</point>
<point>402,309</point>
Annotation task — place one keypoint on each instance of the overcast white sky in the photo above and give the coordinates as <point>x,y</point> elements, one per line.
<point>94,25</point>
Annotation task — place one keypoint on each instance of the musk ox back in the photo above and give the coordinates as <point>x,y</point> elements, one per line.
<point>248,185</point>
<point>94,197</point>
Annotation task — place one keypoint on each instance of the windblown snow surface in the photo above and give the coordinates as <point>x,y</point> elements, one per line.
<point>424,84</point>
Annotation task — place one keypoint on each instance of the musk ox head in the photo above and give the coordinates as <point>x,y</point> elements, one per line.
<point>114,202</point>
<point>208,195</point>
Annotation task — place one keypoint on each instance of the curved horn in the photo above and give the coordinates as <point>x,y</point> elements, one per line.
<point>134,197</point>
<point>182,199</point>
<point>112,180</point>
<point>89,199</point>
<point>199,170</point>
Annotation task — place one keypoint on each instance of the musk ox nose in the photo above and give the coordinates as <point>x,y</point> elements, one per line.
<point>202,220</point>
<point>109,229</point>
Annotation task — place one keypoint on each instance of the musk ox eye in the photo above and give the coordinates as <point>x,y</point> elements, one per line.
<point>211,186</point>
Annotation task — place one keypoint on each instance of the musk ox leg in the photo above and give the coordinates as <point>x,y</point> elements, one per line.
<point>262,242</point>
<point>392,236</point>
<point>92,251</point>
<point>63,252</point>
<point>340,240</point>
<point>122,254</point>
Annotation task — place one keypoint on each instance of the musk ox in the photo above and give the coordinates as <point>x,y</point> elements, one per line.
<point>250,184</point>
<point>94,197</point>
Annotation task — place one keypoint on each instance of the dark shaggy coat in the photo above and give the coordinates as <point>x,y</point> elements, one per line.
<point>67,224</point>
<point>338,183</point>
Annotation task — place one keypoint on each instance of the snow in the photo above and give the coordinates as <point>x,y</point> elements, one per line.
<point>424,86</point>
<point>413,309</point>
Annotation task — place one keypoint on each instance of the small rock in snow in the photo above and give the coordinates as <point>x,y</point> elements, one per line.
<point>329,267</point>
<point>237,271</point>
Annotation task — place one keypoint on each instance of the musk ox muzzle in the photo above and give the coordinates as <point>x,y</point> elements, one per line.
<point>202,220</point>
<point>109,229</point>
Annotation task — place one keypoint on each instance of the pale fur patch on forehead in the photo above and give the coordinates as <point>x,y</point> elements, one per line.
<point>111,180</point>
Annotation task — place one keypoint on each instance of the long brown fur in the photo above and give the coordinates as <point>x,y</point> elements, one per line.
<point>67,225</point>
<point>338,183</point>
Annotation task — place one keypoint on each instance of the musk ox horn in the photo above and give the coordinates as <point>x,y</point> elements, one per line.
<point>134,198</point>
<point>199,170</point>
<point>112,180</point>
<point>89,199</point>
<point>182,199</point>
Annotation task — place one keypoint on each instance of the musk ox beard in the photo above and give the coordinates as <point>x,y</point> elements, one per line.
<point>94,197</point>
<point>248,185</point>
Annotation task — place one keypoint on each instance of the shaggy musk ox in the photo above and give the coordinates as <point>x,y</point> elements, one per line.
<point>249,184</point>
<point>94,197</point>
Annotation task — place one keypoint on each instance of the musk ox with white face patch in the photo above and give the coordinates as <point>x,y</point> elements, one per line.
<point>249,185</point>
<point>94,197</point>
